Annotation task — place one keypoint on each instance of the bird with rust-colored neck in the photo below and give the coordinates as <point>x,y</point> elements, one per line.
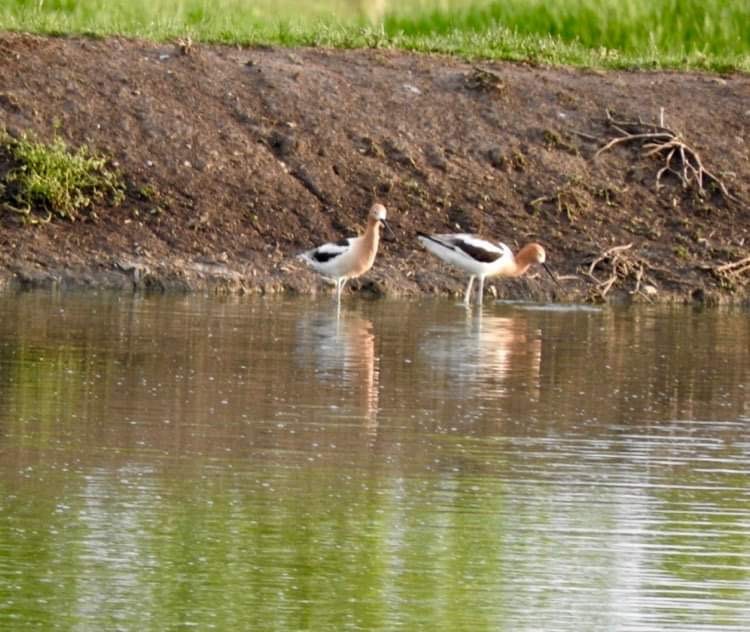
<point>349,257</point>
<point>481,258</point>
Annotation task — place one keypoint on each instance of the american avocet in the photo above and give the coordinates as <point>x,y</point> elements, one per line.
<point>481,258</point>
<point>349,257</point>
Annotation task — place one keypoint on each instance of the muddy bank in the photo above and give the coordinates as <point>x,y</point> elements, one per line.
<point>236,159</point>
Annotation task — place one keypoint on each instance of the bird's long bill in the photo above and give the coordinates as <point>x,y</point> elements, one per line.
<point>546,267</point>
<point>388,226</point>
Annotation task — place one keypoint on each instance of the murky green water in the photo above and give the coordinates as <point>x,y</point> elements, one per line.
<point>175,463</point>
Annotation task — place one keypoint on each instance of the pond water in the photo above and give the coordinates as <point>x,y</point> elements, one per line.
<point>171,463</point>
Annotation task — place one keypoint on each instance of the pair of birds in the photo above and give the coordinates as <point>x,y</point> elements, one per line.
<point>353,256</point>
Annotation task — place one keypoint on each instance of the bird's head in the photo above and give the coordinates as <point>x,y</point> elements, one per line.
<point>378,214</point>
<point>534,253</point>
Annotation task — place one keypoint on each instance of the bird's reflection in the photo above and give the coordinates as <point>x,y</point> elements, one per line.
<point>487,352</point>
<point>341,349</point>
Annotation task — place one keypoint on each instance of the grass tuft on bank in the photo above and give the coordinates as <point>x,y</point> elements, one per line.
<point>685,34</point>
<point>46,180</point>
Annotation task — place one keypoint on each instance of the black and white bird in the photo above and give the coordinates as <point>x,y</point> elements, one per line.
<point>481,258</point>
<point>349,257</point>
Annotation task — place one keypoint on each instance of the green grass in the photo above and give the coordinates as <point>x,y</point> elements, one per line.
<point>706,34</point>
<point>51,178</point>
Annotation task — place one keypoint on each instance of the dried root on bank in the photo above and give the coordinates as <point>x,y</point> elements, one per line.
<point>735,272</point>
<point>618,267</point>
<point>679,158</point>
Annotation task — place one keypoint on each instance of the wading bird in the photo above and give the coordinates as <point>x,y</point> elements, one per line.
<point>350,257</point>
<point>480,258</point>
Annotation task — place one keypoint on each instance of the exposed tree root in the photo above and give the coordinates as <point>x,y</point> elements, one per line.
<point>617,266</point>
<point>736,267</point>
<point>680,159</point>
<point>731,272</point>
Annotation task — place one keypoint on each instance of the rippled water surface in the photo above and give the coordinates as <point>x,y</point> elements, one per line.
<point>171,463</point>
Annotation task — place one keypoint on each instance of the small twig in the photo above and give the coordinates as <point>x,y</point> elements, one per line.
<point>583,135</point>
<point>608,253</point>
<point>734,267</point>
<point>542,199</point>
<point>638,278</point>
<point>664,169</point>
<point>14,209</point>
<point>629,138</point>
<point>639,124</point>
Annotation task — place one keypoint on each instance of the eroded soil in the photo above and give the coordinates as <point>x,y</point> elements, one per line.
<point>236,159</point>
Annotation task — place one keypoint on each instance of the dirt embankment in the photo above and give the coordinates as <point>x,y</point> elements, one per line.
<point>236,159</point>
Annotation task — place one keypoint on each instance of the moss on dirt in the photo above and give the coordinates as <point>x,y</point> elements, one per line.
<point>44,180</point>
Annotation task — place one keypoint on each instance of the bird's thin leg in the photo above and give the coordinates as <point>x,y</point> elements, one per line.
<point>467,296</point>
<point>338,291</point>
<point>343,282</point>
<point>481,289</point>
